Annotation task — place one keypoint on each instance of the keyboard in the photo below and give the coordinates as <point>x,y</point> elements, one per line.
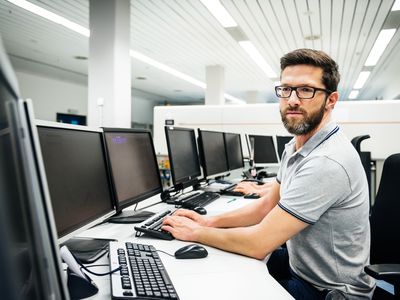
<point>230,191</point>
<point>152,226</point>
<point>196,200</point>
<point>142,274</point>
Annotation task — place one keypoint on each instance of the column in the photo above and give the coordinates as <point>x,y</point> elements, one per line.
<point>215,79</point>
<point>109,81</point>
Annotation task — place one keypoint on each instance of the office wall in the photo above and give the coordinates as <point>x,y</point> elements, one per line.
<point>380,119</point>
<point>51,95</point>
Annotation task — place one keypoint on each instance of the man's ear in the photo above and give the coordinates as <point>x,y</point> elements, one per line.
<point>331,101</point>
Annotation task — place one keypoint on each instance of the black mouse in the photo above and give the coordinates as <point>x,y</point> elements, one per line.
<point>191,251</point>
<point>251,196</point>
<point>200,210</point>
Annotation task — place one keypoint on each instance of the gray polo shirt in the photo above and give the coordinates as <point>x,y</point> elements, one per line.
<point>324,184</point>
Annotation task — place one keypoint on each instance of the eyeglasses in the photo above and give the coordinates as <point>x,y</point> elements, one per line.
<point>302,92</point>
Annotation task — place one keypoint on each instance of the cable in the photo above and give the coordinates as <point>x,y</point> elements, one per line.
<point>165,253</point>
<point>94,273</point>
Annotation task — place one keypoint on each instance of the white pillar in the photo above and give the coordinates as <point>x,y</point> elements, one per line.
<point>251,97</point>
<point>109,64</point>
<point>215,79</point>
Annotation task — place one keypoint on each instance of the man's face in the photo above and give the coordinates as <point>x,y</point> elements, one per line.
<point>301,116</point>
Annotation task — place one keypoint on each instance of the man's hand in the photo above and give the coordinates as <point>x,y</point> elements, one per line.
<point>182,228</point>
<point>199,219</point>
<point>246,187</point>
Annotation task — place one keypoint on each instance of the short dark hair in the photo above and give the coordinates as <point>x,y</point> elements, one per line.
<point>330,75</point>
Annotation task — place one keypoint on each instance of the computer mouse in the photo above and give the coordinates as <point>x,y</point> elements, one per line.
<point>191,251</point>
<point>200,210</point>
<point>251,196</point>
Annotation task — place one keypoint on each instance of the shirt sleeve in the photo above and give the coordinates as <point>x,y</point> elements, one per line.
<point>317,185</point>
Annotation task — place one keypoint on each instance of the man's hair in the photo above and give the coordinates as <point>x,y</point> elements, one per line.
<point>330,75</point>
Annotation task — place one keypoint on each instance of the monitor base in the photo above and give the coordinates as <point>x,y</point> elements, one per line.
<point>130,217</point>
<point>88,250</point>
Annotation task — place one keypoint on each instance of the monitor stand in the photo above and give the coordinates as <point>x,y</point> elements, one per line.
<point>88,250</point>
<point>130,217</point>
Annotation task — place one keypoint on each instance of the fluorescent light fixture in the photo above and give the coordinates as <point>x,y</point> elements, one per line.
<point>165,68</point>
<point>257,58</point>
<point>219,12</point>
<point>379,47</point>
<point>353,94</point>
<point>396,5</point>
<point>51,16</point>
<point>234,100</point>
<point>362,78</point>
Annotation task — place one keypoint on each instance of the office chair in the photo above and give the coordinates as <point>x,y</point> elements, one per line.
<point>385,236</point>
<point>365,160</point>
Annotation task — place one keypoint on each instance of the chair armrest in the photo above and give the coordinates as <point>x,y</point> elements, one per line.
<point>387,272</point>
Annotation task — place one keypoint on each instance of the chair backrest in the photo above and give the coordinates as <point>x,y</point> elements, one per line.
<point>356,141</point>
<point>385,216</point>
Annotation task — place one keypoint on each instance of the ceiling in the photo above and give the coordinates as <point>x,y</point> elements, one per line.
<point>184,35</point>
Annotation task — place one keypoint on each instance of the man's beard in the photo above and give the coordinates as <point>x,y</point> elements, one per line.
<point>308,124</point>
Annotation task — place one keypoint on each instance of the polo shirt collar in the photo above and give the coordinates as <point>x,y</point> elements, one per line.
<point>318,138</point>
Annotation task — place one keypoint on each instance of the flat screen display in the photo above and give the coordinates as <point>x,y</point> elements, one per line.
<point>76,171</point>
<point>133,165</point>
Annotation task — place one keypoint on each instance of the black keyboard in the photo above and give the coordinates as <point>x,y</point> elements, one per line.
<point>230,191</point>
<point>152,226</point>
<point>142,274</point>
<point>197,200</point>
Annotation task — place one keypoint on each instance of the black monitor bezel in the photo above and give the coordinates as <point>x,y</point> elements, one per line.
<point>240,146</point>
<point>77,228</point>
<point>202,154</point>
<point>185,181</point>
<point>286,139</point>
<point>273,145</point>
<point>131,201</point>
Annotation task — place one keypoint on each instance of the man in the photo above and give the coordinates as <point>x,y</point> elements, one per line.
<point>318,204</point>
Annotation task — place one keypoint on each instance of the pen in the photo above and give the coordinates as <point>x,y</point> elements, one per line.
<point>231,200</point>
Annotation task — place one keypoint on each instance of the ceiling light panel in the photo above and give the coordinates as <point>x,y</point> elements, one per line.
<point>362,78</point>
<point>219,12</point>
<point>44,13</point>
<point>379,47</point>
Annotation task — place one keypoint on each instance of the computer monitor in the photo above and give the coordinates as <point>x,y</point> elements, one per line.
<point>183,157</point>
<point>134,171</point>
<point>71,119</point>
<point>281,141</point>
<point>212,153</point>
<point>233,147</point>
<point>29,256</point>
<point>264,149</point>
<point>76,169</point>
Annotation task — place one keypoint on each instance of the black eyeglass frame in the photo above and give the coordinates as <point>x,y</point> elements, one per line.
<point>294,88</point>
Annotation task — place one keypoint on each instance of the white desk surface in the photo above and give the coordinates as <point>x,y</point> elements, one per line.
<point>221,275</point>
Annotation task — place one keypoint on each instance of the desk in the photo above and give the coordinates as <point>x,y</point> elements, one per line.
<point>221,275</point>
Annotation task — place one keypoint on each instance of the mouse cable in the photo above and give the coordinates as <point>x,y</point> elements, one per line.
<point>165,252</point>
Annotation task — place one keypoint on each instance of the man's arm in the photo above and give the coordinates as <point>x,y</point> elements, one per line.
<point>255,241</point>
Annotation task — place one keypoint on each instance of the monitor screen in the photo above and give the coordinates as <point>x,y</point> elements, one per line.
<point>71,119</point>
<point>182,153</point>
<point>212,152</point>
<point>133,165</point>
<point>76,170</point>
<point>29,258</point>
<point>233,146</point>
<point>281,141</point>
<point>264,149</point>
